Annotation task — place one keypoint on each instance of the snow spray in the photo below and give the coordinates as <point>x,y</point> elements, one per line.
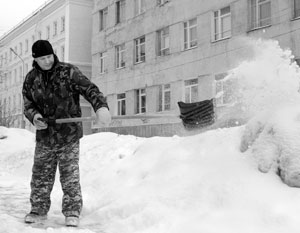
<point>267,81</point>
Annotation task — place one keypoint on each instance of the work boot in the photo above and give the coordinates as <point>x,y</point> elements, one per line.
<point>72,221</point>
<point>33,217</point>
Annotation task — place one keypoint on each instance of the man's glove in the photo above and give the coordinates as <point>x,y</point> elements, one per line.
<point>39,125</point>
<point>103,117</point>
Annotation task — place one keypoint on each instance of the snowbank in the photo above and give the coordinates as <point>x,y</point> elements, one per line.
<point>274,141</point>
<point>194,184</point>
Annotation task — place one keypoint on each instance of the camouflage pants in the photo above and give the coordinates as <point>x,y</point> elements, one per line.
<point>46,159</point>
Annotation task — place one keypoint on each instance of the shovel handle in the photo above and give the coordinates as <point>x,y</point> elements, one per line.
<point>123,117</point>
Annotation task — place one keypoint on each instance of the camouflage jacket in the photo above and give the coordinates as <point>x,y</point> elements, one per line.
<point>56,94</point>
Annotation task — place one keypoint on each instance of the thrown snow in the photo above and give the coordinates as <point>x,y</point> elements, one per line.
<point>194,184</point>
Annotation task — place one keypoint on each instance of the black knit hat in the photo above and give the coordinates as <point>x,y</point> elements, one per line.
<point>41,48</point>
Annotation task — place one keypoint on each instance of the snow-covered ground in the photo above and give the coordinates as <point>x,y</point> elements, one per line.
<point>207,183</point>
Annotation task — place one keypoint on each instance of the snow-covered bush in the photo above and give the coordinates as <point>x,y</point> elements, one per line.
<point>273,138</point>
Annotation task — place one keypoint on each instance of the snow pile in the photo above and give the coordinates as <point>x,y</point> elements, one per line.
<point>268,89</point>
<point>16,146</point>
<point>194,184</point>
<point>275,143</point>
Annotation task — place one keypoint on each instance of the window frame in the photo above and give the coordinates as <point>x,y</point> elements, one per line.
<point>141,100</point>
<point>102,62</point>
<point>164,104</point>
<point>120,56</point>
<point>162,2</point>
<point>217,28</point>
<point>139,7</point>
<point>223,96</point>
<point>62,23</point>
<point>120,11</point>
<point>163,37</point>
<point>54,28</point>
<point>190,86</point>
<point>188,28</point>
<point>26,45</point>
<point>296,9</point>
<point>139,47</point>
<point>103,14</point>
<point>256,21</point>
<point>121,104</point>
<point>48,32</point>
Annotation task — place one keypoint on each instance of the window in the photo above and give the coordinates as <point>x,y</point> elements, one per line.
<point>139,6</point>
<point>260,13</point>
<point>164,98</point>
<point>190,34</point>
<point>222,23</point>
<point>48,32</point>
<point>62,23</point>
<point>162,2</point>
<point>54,28</point>
<point>224,89</point>
<point>140,100</point>
<point>296,8</point>
<point>26,45</point>
<point>121,98</point>
<point>103,19</point>
<point>191,90</point>
<point>16,52</point>
<point>21,48</point>
<point>120,56</point>
<point>102,64</point>
<point>140,49</point>
<point>120,11</point>
<point>40,35</point>
<point>163,40</point>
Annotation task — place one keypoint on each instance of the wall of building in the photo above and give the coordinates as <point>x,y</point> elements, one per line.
<point>204,62</point>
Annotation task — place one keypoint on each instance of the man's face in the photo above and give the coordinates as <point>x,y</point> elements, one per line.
<point>45,62</point>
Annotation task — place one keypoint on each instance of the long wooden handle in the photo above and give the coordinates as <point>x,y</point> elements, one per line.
<point>148,116</point>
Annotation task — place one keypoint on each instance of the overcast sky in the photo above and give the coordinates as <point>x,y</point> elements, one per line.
<point>13,12</point>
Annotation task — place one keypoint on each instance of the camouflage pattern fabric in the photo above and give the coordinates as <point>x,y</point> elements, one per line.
<point>56,94</point>
<point>46,160</point>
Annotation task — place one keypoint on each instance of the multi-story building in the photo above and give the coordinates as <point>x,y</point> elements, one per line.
<point>148,55</point>
<point>67,24</point>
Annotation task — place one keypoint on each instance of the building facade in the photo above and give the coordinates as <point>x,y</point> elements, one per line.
<point>148,55</point>
<point>67,24</point>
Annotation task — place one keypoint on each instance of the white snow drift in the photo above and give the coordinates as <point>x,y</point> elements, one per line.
<point>200,183</point>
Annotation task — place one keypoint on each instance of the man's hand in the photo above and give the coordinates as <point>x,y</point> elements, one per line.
<point>39,125</point>
<point>103,117</point>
